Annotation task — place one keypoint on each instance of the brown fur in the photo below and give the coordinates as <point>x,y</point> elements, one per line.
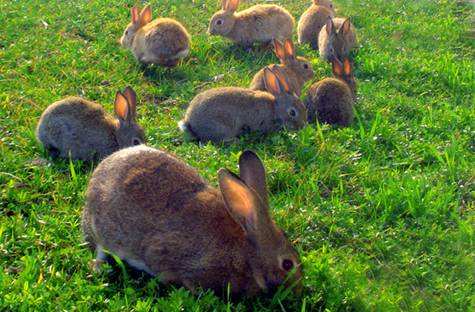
<point>260,23</point>
<point>331,100</point>
<point>298,70</point>
<point>154,211</point>
<point>163,41</point>
<point>223,114</point>
<point>312,21</point>
<point>83,130</point>
<point>338,41</point>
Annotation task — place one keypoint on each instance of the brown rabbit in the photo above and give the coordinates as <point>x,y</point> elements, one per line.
<point>83,130</point>
<point>331,100</point>
<point>223,114</point>
<point>163,41</point>
<point>337,38</point>
<point>312,21</point>
<point>296,69</point>
<point>260,23</point>
<point>157,214</point>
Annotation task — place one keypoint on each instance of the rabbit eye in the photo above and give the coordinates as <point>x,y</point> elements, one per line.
<point>287,264</point>
<point>305,66</point>
<point>219,22</point>
<point>292,112</point>
<point>136,141</point>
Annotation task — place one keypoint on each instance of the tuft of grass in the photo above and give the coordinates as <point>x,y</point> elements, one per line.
<point>382,212</point>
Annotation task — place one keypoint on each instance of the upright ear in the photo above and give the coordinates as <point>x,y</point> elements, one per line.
<point>329,26</point>
<point>253,173</point>
<point>239,199</point>
<point>135,14</point>
<point>279,50</point>
<point>231,5</point>
<point>146,15</point>
<point>121,107</point>
<point>289,48</point>
<point>337,67</point>
<point>131,97</point>
<point>345,27</point>
<point>347,66</point>
<point>271,82</point>
<point>281,76</point>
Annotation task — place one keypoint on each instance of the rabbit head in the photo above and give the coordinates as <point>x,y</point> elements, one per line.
<point>223,21</point>
<point>325,3</point>
<point>272,259</point>
<point>337,38</point>
<point>299,65</point>
<point>289,109</point>
<point>344,71</point>
<point>128,132</point>
<point>137,22</point>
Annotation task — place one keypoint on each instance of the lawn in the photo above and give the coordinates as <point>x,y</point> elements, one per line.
<point>381,212</point>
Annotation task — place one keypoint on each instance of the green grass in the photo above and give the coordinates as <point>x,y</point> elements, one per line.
<point>382,212</point>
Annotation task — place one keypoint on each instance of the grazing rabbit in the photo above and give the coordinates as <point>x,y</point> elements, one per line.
<point>297,70</point>
<point>159,215</point>
<point>331,100</point>
<point>312,21</point>
<point>336,39</point>
<point>223,114</point>
<point>260,23</point>
<point>83,130</point>
<point>163,41</point>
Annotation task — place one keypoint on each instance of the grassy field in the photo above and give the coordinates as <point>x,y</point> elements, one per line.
<point>382,212</point>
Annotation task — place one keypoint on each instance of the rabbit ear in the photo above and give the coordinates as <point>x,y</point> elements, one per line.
<point>337,67</point>
<point>271,82</point>
<point>121,107</point>
<point>146,15</point>
<point>231,5</point>
<point>253,173</point>
<point>282,79</point>
<point>279,50</point>
<point>135,14</point>
<point>240,200</point>
<point>345,27</point>
<point>131,97</point>
<point>289,48</point>
<point>347,66</point>
<point>329,26</point>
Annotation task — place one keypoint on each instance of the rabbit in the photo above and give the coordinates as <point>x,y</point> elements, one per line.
<point>260,23</point>
<point>331,100</point>
<point>223,114</point>
<point>163,41</point>
<point>80,129</point>
<point>312,21</point>
<point>298,70</point>
<point>159,215</point>
<point>336,39</point>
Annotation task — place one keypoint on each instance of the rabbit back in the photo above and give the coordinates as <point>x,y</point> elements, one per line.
<point>222,114</point>
<point>156,213</point>
<point>262,23</point>
<point>78,128</point>
<point>163,41</point>
<point>310,24</point>
<point>330,101</point>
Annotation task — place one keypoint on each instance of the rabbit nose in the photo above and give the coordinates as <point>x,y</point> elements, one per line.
<point>272,286</point>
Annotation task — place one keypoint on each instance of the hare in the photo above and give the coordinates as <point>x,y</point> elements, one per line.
<point>298,70</point>
<point>260,23</point>
<point>223,114</point>
<point>82,130</point>
<point>336,39</point>
<point>163,41</point>
<point>312,21</point>
<point>159,215</point>
<point>331,100</point>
